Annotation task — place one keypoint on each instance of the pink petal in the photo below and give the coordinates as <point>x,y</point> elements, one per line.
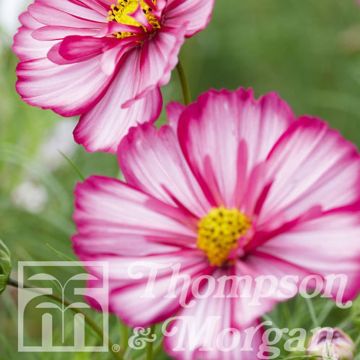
<point>114,27</point>
<point>132,230</point>
<point>129,222</point>
<point>173,111</point>
<point>100,6</point>
<point>49,33</point>
<point>76,8</point>
<point>80,48</point>
<point>102,127</point>
<point>152,161</point>
<point>140,17</point>
<point>193,14</point>
<point>327,245</point>
<point>45,84</point>
<point>225,135</point>
<point>54,16</point>
<point>141,304</point>
<point>41,82</point>
<point>196,332</point>
<point>129,274</point>
<point>256,299</point>
<point>157,58</point>
<point>25,46</point>
<point>311,165</point>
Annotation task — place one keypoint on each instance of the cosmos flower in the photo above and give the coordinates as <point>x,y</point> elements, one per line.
<point>331,343</point>
<point>104,60</point>
<point>232,187</point>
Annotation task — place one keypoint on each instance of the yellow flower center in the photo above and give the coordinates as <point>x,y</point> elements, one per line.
<point>122,11</point>
<point>219,232</point>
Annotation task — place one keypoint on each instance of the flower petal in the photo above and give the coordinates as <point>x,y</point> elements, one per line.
<point>158,295</point>
<point>126,215</point>
<point>224,135</point>
<point>310,166</point>
<point>70,89</point>
<point>174,111</point>
<point>157,58</point>
<point>192,14</point>
<point>25,46</point>
<point>80,48</point>
<point>152,161</point>
<point>50,33</point>
<point>127,229</point>
<point>50,86</point>
<point>327,245</point>
<point>263,282</point>
<point>206,331</point>
<point>79,9</point>
<point>102,127</point>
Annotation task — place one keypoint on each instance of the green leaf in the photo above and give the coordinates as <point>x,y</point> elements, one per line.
<point>5,266</point>
<point>356,312</point>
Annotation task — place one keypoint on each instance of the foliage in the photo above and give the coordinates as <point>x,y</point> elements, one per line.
<point>5,266</point>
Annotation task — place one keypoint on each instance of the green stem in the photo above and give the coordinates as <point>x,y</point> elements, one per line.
<point>184,83</point>
<point>357,341</point>
<point>149,346</point>
<point>312,312</point>
<point>73,165</point>
<point>274,325</point>
<point>325,312</point>
<point>124,337</point>
<point>92,324</point>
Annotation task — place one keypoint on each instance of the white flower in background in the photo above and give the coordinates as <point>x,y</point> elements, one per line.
<point>9,13</point>
<point>331,344</point>
<point>30,197</point>
<point>59,141</point>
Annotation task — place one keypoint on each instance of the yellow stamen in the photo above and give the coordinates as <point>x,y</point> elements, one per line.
<point>219,232</point>
<point>121,13</point>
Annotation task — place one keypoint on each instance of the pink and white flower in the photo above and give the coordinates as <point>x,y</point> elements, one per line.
<point>104,60</point>
<point>233,186</point>
<point>329,343</point>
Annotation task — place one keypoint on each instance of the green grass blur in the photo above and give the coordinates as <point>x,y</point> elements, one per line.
<point>308,51</point>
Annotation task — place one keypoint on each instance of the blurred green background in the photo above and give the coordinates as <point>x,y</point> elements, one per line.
<point>308,51</point>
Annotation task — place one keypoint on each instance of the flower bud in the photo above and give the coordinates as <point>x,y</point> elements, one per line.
<point>331,344</point>
<point>5,266</point>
